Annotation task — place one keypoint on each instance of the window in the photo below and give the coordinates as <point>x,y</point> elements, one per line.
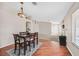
<point>75,28</point>
<point>55,29</point>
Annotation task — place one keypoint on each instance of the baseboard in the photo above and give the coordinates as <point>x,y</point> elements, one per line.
<point>70,51</point>
<point>6,45</point>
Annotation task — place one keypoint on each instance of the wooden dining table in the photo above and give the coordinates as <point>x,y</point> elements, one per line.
<point>27,40</point>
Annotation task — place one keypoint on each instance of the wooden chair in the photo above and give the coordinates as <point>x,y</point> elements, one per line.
<point>27,41</point>
<point>18,42</point>
<point>31,37</point>
<point>22,33</point>
<point>36,37</point>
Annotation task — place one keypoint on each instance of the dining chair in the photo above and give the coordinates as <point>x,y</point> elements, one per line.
<point>27,41</point>
<point>18,42</point>
<point>32,39</point>
<point>22,33</point>
<point>36,37</point>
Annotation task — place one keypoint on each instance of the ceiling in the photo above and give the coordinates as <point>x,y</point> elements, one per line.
<point>43,11</point>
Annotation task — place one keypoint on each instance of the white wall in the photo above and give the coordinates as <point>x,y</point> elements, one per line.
<point>68,25</point>
<point>45,28</point>
<point>9,23</point>
<point>35,26</point>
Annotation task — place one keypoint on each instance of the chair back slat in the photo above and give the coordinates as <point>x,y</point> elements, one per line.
<point>16,36</point>
<point>22,33</point>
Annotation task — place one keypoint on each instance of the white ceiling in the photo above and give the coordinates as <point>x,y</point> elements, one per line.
<point>47,10</point>
<point>43,11</point>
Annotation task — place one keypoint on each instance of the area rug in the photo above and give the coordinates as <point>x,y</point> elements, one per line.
<point>28,53</point>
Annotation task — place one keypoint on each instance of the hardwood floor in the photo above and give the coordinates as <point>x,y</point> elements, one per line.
<point>48,48</point>
<point>3,50</point>
<point>52,48</point>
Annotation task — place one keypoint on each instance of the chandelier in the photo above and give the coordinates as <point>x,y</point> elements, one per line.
<point>21,12</point>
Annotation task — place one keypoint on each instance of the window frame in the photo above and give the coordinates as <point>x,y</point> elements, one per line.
<point>74,27</point>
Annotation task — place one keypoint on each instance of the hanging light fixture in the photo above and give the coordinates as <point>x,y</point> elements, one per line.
<point>21,12</point>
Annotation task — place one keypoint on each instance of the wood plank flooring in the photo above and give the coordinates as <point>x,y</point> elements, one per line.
<point>48,48</point>
<point>52,48</point>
